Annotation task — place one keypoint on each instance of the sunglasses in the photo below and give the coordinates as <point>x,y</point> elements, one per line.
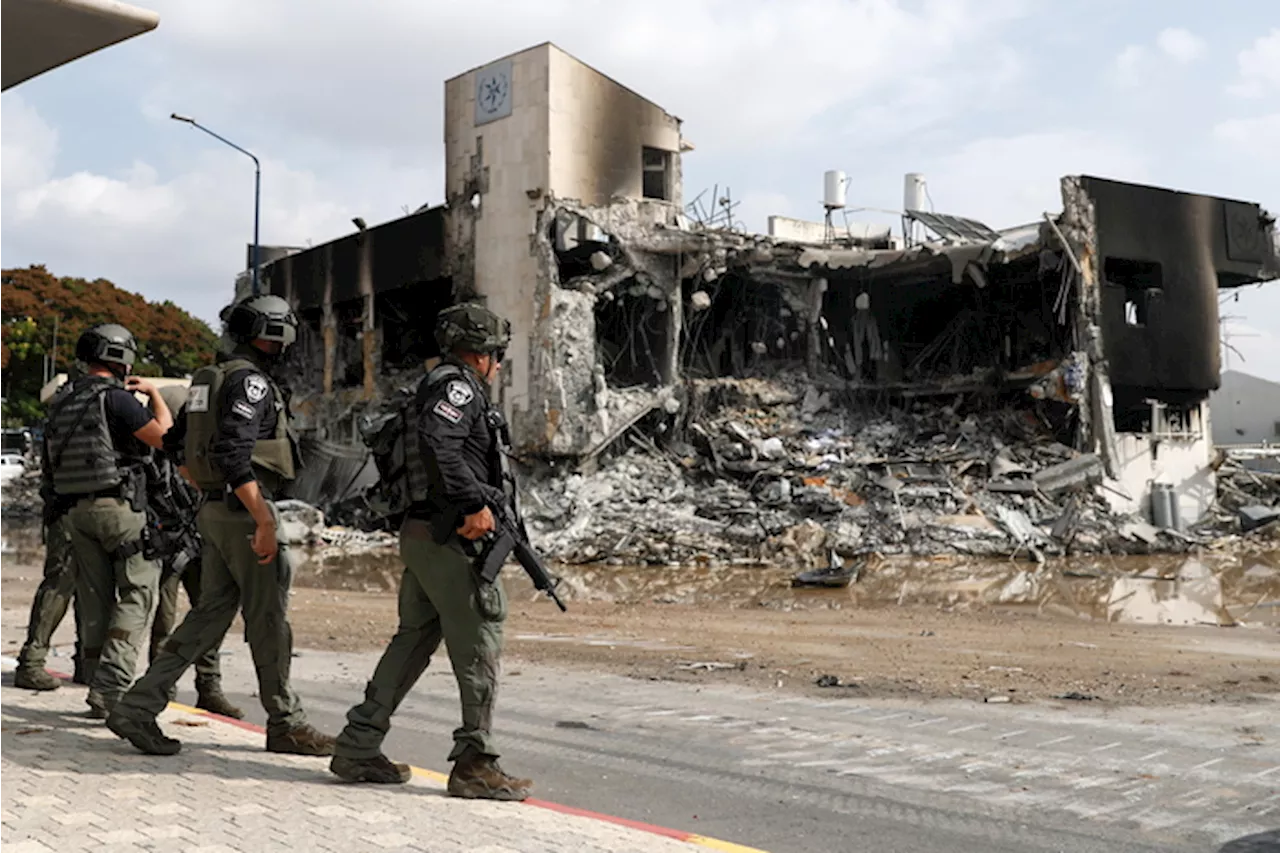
<point>499,354</point>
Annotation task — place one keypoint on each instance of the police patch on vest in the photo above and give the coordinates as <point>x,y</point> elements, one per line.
<point>460,393</point>
<point>243,409</point>
<point>255,388</point>
<point>198,398</point>
<point>449,413</point>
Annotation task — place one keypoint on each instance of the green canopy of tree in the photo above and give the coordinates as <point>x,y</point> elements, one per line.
<point>170,341</point>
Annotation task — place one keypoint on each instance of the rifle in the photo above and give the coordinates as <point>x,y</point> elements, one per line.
<point>509,537</point>
<point>171,507</point>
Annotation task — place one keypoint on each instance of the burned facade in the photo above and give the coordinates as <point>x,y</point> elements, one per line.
<point>565,213</point>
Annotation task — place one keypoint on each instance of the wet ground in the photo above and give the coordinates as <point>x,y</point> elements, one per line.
<point>1145,630</point>
<point>1227,590</point>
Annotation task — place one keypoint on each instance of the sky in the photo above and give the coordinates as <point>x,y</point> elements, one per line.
<point>993,100</point>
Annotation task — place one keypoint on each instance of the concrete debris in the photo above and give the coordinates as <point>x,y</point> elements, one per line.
<point>756,470</point>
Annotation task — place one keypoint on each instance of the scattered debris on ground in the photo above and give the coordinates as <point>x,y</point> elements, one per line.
<point>777,471</point>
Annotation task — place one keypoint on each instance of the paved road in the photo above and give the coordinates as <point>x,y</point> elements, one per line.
<point>788,773</point>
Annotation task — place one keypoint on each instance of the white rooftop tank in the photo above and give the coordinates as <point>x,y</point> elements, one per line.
<point>833,189</point>
<point>913,192</point>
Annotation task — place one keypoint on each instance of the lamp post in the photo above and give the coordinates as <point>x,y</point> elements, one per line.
<point>257,185</point>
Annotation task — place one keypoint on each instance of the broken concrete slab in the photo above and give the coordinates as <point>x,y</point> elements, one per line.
<point>1081,472</point>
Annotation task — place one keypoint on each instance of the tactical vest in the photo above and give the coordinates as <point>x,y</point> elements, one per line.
<point>83,457</point>
<point>272,458</point>
<point>406,472</point>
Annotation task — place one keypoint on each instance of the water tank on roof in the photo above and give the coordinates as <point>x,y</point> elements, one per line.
<point>833,187</point>
<point>913,193</point>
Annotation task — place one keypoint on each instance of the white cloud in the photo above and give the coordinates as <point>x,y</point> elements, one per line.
<point>1006,181</point>
<point>1259,67</point>
<point>1180,45</point>
<point>1130,66</point>
<point>743,73</point>
<point>1255,137</point>
<point>177,237</point>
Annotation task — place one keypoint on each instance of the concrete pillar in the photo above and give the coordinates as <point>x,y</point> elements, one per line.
<point>369,335</point>
<point>328,323</point>
<point>669,369</point>
<point>817,288</point>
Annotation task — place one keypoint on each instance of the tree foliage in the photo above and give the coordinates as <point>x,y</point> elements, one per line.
<point>170,341</point>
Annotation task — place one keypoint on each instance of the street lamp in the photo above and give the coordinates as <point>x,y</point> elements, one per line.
<point>257,185</point>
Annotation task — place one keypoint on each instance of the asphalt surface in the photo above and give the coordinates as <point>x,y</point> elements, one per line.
<point>791,773</point>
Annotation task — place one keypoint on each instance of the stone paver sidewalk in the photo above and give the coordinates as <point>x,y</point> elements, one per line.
<point>69,785</point>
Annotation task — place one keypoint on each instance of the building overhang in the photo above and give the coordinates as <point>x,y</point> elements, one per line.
<point>40,35</point>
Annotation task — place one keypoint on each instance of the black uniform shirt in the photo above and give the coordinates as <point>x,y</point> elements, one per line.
<point>246,414</point>
<point>453,428</point>
<point>125,416</point>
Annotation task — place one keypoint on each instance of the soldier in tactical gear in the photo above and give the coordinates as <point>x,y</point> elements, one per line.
<point>453,450</point>
<point>238,451</point>
<point>179,560</point>
<point>53,597</point>
<point>97,438</point>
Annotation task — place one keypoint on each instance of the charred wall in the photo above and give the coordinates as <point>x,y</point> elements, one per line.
<point>1162,257</point>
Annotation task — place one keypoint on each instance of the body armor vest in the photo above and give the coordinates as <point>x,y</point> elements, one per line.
<point>273,458</point>
<point>406,470</point>
<point>83,458</point>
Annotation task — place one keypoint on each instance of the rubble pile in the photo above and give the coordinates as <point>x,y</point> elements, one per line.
<point>22,496</point>
<point>780,471</point>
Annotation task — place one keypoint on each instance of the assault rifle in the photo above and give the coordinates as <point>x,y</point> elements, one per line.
<point>171,508</point>
<point>509,537</point>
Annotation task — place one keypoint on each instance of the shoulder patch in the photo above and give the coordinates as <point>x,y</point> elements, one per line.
<point>449,413</point>
<point>460,392</point>
<point>255,387</point>
<point>243,409</point>
<point>198,398</point>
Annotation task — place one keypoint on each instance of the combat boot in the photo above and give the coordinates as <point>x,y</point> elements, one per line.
<point>213,700</point>
<point>478,777</point>
<point>99,706</point>
<point>380,770</point>
<point>301,740</point>
<point>144,734</point>
<point>34,678</point>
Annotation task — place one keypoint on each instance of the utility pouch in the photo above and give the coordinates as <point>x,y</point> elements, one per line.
<point>232,500</point>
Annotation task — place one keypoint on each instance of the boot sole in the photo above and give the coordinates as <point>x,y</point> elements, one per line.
<point>311,751</point>
<point>38,688</point>
<point>368,780</point>
<point>125,734</point>
<point>501,795</point>
<point>223,712</point>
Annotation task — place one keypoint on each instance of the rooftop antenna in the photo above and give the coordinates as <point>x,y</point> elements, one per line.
<point>834,186</point>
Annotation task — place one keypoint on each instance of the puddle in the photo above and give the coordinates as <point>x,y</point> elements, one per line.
<point>1209,589</point>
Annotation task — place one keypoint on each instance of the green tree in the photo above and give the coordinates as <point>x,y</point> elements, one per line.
<point>171,342</point>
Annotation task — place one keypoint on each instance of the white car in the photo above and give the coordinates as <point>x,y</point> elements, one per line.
<point>11,465</point>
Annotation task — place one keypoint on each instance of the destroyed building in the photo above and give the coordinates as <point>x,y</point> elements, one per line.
<point>565,212</point>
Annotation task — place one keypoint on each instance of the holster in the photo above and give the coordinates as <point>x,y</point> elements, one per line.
<point>134,489</point>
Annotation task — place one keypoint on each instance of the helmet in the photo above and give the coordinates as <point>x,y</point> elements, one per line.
<point>107,343</point>
<point>472,327</point>
<point>267,317</point>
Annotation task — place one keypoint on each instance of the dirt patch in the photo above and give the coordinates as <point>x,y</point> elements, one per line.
<point>912,650</point>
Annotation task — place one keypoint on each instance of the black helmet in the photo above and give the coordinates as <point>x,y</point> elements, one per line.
<point>472,327</point>
<point>107,343</point>
<point>266,317</point>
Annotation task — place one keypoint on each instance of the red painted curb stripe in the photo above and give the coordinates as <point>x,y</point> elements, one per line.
<point>652,829</point>
<point>677,834</point>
